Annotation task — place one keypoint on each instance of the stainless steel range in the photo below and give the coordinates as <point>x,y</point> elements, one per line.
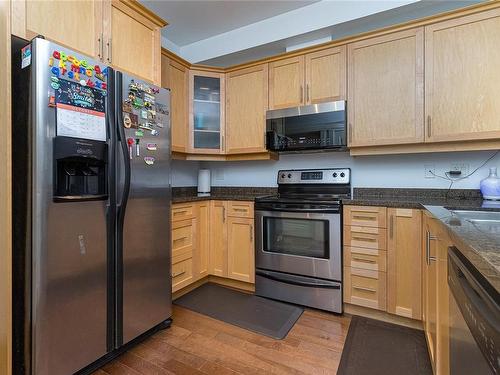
<point>298,254</point>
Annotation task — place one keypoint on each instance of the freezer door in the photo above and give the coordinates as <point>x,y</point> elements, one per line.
<point>69,251</point>
<point>143,175</point>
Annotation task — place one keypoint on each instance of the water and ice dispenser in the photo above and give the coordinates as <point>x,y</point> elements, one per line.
<point>80,169</point>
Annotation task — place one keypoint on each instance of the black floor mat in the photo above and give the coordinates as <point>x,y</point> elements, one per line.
<point>373,347</point>
<point>261,315</point>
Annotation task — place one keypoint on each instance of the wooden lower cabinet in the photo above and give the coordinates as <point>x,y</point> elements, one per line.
<point>404,275</point>
<point>366,288</point>
<point>218,239</point>
<point>212,238</point>
<point>201,265</point>
<point>240,249</point>
<point>436,293</point>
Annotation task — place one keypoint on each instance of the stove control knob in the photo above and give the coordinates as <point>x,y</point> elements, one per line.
<point>334,174</point>
<point>282,175</point>
<point>342,174</point>
<point>289,175</point>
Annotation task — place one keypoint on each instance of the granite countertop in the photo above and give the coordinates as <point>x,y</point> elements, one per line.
<point>189,194</point>
<point>418,198</point>
<point>479,242</point>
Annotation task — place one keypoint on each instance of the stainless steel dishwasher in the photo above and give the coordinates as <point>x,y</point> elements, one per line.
<point>474,319</point>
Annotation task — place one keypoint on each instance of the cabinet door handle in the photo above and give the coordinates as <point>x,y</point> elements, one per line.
<point>307,93</point>
<point>222,142</point>
<point>110,50</point>
<point>251,233</point>
<point>301,94</point>
<point>391,227</point>
<point>223,214</point>
<point>428,238</point>
<point>101,47</point>
<point>429,126</point>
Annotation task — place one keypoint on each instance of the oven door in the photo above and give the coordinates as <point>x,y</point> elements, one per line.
<point>301,243</point>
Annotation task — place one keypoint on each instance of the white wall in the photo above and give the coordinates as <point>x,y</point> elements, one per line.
<point>406,171</point>
<point>184,173</point>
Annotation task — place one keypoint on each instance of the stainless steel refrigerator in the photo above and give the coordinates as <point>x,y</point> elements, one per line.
<point>91,210</point>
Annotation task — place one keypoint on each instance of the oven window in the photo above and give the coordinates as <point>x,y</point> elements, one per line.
<point>305,237</point>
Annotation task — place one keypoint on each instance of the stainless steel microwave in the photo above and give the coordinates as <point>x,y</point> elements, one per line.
<point>311,127</point>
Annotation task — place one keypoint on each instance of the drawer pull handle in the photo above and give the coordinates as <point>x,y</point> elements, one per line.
<point>240,209</point>
<point>178,274</point>
<point>364,260</point>
<point>365,289</point>
<point>181,238</point>
<point>363,217</point>
<point>180,212</point>
<point>365,239</point>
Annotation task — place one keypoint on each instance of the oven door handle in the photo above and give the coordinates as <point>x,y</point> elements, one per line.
<point>304,210</point>
<point>295,281</point>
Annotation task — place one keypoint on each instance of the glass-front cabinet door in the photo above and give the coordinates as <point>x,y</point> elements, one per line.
<point>206,112</point>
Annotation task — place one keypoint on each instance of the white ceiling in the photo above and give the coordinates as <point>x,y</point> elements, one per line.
<point>191,21</point>
<point>230,32</point>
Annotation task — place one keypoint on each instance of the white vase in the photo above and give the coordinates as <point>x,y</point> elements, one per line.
<point>490,186</point>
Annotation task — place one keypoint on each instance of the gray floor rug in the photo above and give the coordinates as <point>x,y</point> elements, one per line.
<point>257,314</point>
<point>373,347</point>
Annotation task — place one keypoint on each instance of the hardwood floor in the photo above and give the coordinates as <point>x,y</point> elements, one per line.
<point>197,344</point>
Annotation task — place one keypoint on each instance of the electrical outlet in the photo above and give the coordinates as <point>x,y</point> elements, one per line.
<point>429,170</point>
<point>460,167</point>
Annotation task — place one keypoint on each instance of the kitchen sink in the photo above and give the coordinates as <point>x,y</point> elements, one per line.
<point>478,216</point>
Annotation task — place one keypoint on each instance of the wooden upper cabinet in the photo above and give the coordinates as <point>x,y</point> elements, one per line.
<point>385,89</point>
<point>132,39</point>
<point>286,83</point>
<point>77,25</point>
<point>207,103</point>
<point>175,77</point>
<point>404,272</point>
<point>326,75</point>
<point>462,78</point>
<point>246,106</point>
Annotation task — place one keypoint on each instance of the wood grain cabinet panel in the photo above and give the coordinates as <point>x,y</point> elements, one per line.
<point>182,274</point>
<point>462,78</point>
<point>286,83</point>
<point>134,43</point>
<point>326,75</point>
<point>385,89</point>
<point>175,77</point>
<point>202,251</point>
<point>240,249</point>
<point>404,272</point>
<point>366,216</point>
<point>240,209</point>
<point>246,106</point>
<point>81,30</point>
<point>365,237</point>
<point>368,259</point>
<point>218,238</point>
<point>365,288</point>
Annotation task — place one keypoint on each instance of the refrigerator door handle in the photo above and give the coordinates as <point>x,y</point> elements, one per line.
<point>123,195</point>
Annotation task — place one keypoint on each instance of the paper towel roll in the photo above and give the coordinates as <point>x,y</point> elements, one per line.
<point>203,182</point>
